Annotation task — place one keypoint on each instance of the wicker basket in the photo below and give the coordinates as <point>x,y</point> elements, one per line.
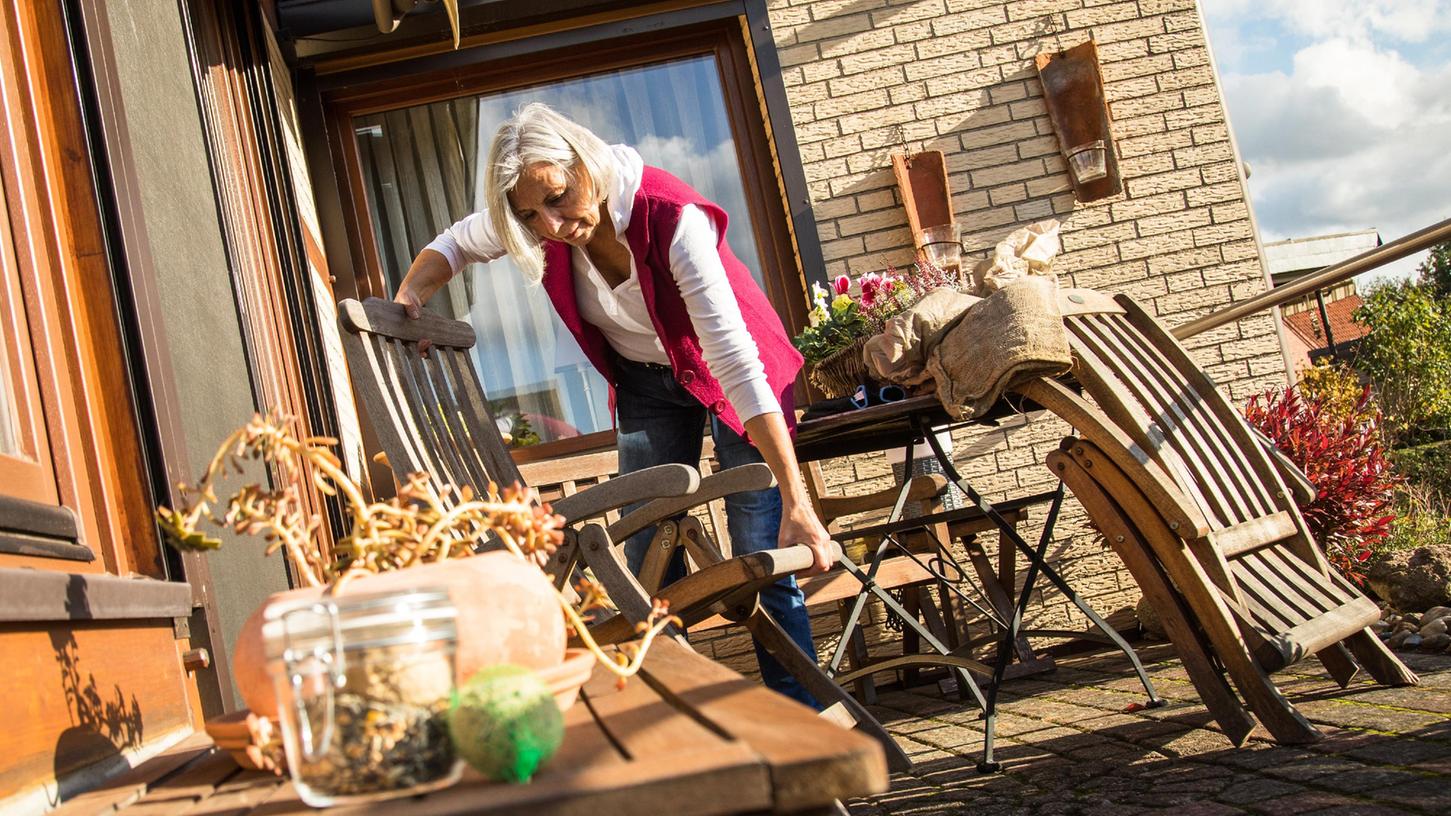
<point>840,374</point>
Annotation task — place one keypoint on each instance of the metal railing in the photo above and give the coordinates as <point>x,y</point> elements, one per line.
<point>1329,276</point>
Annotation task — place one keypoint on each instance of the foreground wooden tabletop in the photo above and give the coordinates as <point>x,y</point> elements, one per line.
<point>687,737</point>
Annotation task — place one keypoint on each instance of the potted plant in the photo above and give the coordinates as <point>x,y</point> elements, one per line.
<point>413,558</point>
<point>842,320</point>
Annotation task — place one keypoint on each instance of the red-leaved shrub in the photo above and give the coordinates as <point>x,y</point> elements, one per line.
<point>1343,456</point>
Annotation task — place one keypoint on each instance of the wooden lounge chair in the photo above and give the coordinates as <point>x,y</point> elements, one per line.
<point>1202,515</point>
<point>431,416</point>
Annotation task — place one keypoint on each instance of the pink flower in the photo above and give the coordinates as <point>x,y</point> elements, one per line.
<point>842,284</point>
<point>871,285</point>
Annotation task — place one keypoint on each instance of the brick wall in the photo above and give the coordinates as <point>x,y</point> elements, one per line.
<point>864,76</point>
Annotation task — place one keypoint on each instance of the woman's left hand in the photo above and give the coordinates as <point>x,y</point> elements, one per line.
<point>799,525</point>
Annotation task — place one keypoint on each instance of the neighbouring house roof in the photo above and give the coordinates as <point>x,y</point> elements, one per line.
<point>1308,327</point>
<point>1293,257</point>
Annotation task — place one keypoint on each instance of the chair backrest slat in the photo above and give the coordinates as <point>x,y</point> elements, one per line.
<point>1201,414</point>
<point>381,386</point>
<point>1107,388</point>
<point>1251,455</point>
<point>1178,412</point>
<point>430,414</point>
<point>436,366</point>
<point>421,429</point>
<point>487,442</point>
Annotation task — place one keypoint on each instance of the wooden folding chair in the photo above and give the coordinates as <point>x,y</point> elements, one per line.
<point>431,416</point>
<point>1202,515</point>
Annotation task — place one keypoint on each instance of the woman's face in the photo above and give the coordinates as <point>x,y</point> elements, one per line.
<point>556,204</point>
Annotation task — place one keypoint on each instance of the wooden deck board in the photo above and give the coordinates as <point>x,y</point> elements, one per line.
<point>689,737</point>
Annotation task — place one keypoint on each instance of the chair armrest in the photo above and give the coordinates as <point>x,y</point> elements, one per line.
<point>718,485</point>
<point>728,588</point>
<point>1301,488</point>
<point>642,485</point>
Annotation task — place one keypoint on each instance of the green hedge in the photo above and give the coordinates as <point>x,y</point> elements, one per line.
<point>1428,466</point>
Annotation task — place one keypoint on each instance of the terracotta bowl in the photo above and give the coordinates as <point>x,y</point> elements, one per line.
<point>565,680</point>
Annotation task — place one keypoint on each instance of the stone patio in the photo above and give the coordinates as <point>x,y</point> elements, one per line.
<point>1072,743</point>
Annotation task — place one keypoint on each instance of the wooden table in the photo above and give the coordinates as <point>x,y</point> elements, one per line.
<point>688,737</point>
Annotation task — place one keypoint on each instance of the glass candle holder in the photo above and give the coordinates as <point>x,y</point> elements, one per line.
<point>941,245</point>
<point>1088,162</point>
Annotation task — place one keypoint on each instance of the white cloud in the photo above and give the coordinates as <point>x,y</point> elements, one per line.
<point>1405,20</point>
<point>1351,134</point>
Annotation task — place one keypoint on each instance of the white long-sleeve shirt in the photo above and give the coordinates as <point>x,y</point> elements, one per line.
<point>621,314</point>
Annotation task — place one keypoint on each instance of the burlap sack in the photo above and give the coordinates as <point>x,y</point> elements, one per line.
<point>1026,251</point>
<point>1011,336</point>
<point>899,353</point>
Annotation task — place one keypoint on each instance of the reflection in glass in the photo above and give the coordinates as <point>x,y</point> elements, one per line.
<point>422,168</point>
<point>9,410</point>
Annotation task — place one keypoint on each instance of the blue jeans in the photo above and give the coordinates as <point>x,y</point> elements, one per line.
<point>659,423</point>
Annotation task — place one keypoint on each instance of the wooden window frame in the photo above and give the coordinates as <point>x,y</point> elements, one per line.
<point>724,34</point>
<point>101,520</point>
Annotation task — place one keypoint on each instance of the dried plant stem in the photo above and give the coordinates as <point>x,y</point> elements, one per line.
<point>421,524</point>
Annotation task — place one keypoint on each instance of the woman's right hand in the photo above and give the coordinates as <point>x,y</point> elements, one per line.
<point>429,272</point>
<point>412,303</point>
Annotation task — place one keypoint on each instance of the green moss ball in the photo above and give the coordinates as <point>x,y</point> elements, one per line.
<point>504,723</point>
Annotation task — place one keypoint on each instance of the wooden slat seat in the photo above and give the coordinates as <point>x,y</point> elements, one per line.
<point>1204,516</point>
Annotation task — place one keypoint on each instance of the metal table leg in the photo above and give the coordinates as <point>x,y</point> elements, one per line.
<point>871,588</point>
<point>1036,563</point>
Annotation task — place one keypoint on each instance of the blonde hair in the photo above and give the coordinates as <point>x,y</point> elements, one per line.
<point>536,133</point>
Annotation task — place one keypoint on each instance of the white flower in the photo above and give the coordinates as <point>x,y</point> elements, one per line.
<point>819,295</point>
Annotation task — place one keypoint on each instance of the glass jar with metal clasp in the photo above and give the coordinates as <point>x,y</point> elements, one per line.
<point>363,684</point>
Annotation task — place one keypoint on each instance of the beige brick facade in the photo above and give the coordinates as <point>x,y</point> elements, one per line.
<point>863,77</point>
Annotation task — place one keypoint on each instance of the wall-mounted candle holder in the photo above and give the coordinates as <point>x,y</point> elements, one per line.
<point>922,181</point>
<point>1078,110</point>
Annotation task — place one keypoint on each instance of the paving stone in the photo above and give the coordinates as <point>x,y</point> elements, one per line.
<point>1378,718</point>
<point>1301,802</point>
<point>1403,751</point>
<point>1307,769</point>
<point>1069,748</point>
<point>1367,779</point>
<point>1357,809</point>
<point>1255,790</point>
<point>1197,809</point>
<point>1430,795</point>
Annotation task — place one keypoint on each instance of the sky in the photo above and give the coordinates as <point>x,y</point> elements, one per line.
<point>1342,110</point>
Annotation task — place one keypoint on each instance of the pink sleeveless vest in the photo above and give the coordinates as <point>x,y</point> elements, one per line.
<point>653,220</point>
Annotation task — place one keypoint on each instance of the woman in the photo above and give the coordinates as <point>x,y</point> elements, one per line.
<point>637,266</point>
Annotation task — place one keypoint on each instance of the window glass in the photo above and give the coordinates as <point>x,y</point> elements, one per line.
<point>423,170</point>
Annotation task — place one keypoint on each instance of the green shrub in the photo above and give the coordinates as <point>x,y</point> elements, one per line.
<point>1407,357</point>
<point>1337,389</point>
<point>1428,466</point>
<point>1422,520</point>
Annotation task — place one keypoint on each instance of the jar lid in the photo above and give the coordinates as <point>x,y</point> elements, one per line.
<point>358,621</point>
